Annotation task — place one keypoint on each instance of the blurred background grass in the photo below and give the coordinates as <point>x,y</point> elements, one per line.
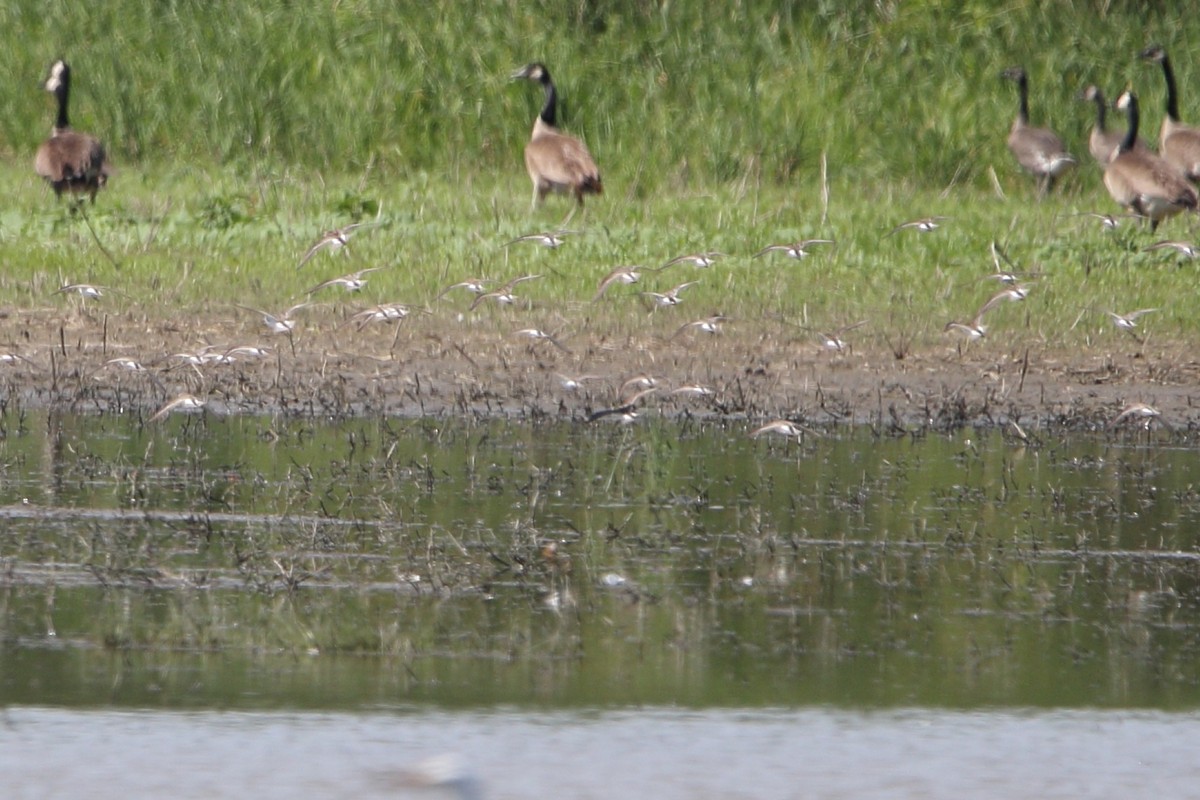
<point>674,93</point>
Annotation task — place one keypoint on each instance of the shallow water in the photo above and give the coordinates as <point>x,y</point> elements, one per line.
<point>664,753</point>
<point>354,596</point>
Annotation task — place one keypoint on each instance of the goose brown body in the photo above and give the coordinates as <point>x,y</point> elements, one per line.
<point>555,161</point>
<point>1039,151</point>
<point>1142,181</point>
<point>69,160</point>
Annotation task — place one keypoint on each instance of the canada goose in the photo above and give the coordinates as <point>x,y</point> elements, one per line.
<point>69,160</point>
<point>1102,142</point>
<point>1038,150</point>
<point>1178,144</point>
<point>555,161</point>
<point>1141,181</point>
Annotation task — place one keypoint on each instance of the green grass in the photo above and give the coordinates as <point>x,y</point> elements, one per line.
<point>236,145</point>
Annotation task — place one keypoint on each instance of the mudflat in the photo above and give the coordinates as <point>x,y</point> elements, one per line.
<point>442,362</point>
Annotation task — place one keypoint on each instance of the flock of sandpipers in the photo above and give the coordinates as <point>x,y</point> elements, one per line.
<point>1149,186</point>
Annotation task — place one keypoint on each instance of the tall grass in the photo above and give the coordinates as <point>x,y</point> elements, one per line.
<point>687,93</point>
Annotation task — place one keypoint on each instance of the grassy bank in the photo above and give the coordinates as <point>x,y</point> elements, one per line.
<point>667,94</point>
<point>237,144</point>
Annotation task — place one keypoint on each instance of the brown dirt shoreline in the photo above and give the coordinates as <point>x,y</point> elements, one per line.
<point>432,365</point>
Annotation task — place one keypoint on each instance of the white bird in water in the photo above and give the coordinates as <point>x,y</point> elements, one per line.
<point>781,427</point>
<point>1140,411</point>
<point>626,411</point>
<point>184,402</point>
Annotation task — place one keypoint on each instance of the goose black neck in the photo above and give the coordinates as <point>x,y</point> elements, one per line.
<point>1131,134</point>
<point>61,93</point>
<point>549,113</point>
<point>1101,113</point>
<point>1023,90</point>
<point>1172,92</point>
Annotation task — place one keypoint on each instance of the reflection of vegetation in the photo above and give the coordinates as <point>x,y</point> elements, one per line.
<point>486,563</point>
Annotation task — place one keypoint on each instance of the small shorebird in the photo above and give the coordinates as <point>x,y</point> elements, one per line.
<point>795,250</point>
<point>1128,322</point>
<point>384,312</point>
<point>1006,271</point>
<point>709,325</point>
<point>638,382</point>
<point>550,239</point>
<point>626,275</point>
<point>279,324</point>
<point>834,341</point>
<point>574,384</point>
<point>1139,411</point>
<point>781,427</point>
<point>88,291</point>
<point>125,364</point>
<point>1186,249</point>
<point>539,335</point>
<point>336,239</point>
<point>1012,294</point>
<point>975,329</point>
<point>206,355</point>
<point>626,411</point>
<point>252,351</point>
<point>503,295</point>
<point>475,286</point>
<point>693,390</point>
<point>351,283</point>
<point>15,358</point>
<point>922,225</point>
<point>699,260</point>
<point>669,298</point>
<point>1106,221</point>
<point>184,402</point>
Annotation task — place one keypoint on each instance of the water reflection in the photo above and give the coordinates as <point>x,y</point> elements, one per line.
<point>265,563</point>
